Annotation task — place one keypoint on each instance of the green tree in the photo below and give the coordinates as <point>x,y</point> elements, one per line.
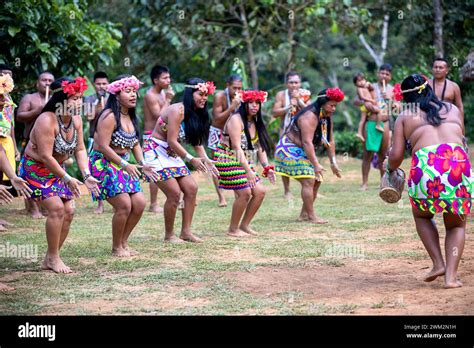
<point>53,35</point>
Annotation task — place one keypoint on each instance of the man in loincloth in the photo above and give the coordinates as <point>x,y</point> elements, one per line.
<point>157,98</point>
<point>376,141</point>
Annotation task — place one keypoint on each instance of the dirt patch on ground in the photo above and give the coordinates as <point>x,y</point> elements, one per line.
<point>393,286</point>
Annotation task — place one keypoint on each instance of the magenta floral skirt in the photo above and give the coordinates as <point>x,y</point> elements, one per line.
<point>439,180</point>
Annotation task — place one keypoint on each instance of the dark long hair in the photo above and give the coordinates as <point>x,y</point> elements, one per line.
<point>263,137</point>
<point>114,105</point>
<point>315,107</point>
<point>57,101</point>
<point>427,99</point>
<point>196,121</point>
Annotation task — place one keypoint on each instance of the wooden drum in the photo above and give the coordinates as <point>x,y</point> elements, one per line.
<point>392,185</point>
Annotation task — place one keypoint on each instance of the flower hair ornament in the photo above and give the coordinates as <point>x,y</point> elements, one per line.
<point>252,95</point>
<point>119,85</point>
<point>334,94</point>
<point>398,93</point>
<point>205,87</point>
<point>397,89</point>
<point>79,85</point>
<point>6,83</point>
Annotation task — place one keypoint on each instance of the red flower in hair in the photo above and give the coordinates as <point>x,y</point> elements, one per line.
<point>258,96</point>
<point>71,88</point>
<point>397,92</point>
<point>335,94</point>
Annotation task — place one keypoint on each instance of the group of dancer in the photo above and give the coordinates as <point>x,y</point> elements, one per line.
<point>439,178</point>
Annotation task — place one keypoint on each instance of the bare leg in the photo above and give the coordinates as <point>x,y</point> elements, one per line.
<point>454,244</point>
<point>122,207</point>
<point>189,188</point>
<point>286,187</point>
<point>366,160</point>
<point>384,147</point>
<point>242,198</point>
<point>307,195</point>
<point>138,206</point>
<point>426,228</point>
<point>100,208</point>
<point>154,206</point>
<point>172,192</point>
<point>35,211</point>
<point>258,194</point>
<point>68,216</point>
<point>54,225</point>
<point>220,193</point>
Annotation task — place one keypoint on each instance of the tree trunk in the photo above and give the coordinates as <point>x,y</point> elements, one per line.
<point>291,39</point>
<point>378,57</point>
<point>248,42</point>
<point>438,28</point>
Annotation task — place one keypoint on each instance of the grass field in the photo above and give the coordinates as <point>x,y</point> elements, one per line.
<point>367,260</point>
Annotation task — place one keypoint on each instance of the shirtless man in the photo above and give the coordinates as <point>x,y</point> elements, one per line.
<point>384,93</point>
<point>29,109</point>
<point>94,104</point>
<point>445,89</point>
<point>287,103</point>
<point>226,103</point>
<point>157,98</point>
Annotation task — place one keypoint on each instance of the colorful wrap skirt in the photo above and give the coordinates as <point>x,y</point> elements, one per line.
<point>439,180</point>
<point>167,164</point>
<point>41,181</point>
<point>232,176</point>
<point>214,139</point>
<point>291,160</point>
<point>113,179</point>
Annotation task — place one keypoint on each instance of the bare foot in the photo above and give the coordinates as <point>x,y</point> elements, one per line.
<point>155,208</point>
<point>174,240</point>
<point>379,128</point>
<point>120,252</point>
<point>317,220</point>
<point>131,251</point>
<point>181,205</point>
<point>238,234</point>
<point>55,264</point>
<point>452,285</point>
<point>222,204</point>
<point>364,187</point>
<point>36,214</point>
<point>360,136</point>
<point>189,237</point>
<point>5,223</point>
<point>433,274</point>
<point>288,195</point>
<point>248,230</point>
<point>5,288</point>
<point>99,210</point>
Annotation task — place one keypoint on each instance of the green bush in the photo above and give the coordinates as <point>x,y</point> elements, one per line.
<point>347,142</point>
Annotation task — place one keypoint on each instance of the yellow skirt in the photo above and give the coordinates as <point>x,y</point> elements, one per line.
<point>7,143</point>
